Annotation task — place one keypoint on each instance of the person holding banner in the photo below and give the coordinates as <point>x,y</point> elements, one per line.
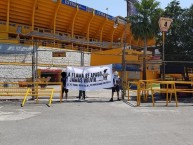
<point>81,94</point>
<point>116,87</point>
<point>63,80</point>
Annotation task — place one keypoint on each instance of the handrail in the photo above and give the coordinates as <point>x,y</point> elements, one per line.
<point>30,89</point>
<point>169,88</point>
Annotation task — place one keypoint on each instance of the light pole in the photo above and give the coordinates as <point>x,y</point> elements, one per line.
<point>34,65</point>
<point>124,68</point>
<point>123,71</point>
<point>81,92</point>
<point>82,56</point>
<point>163,54</point>
<point>34,60</point>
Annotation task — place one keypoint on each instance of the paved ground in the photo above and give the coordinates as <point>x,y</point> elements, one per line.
<point>95,122</point>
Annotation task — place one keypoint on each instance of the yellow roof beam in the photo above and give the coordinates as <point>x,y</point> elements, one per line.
<point>33,14</point>
<point>113,31</point>
<point>55,16</point>
<point>123,33</point>
<point>8,13</point>
<point>73,22</point>
<point>101,29</point>
<point>88,27</point>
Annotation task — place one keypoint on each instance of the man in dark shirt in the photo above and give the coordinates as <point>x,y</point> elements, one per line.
<point>63,80</point>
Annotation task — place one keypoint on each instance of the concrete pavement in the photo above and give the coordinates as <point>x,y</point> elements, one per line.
<point>95,122</point>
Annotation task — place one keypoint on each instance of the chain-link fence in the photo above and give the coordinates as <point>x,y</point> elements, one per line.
<point>16,61</point>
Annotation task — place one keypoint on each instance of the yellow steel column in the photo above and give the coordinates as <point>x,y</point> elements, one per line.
<point>33,14</point>
<point>73,22</point>
<point>122,37</point>
<point>33,17</point>
<point>88,27</point>
<point>54,18</point>
<point>113,31</point>
<point>8,13</point>
<point>101,32</point>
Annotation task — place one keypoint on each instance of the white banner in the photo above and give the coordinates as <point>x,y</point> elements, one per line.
<point>89,78</point>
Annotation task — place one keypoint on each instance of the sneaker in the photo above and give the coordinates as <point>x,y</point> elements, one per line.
<point>111,100</point>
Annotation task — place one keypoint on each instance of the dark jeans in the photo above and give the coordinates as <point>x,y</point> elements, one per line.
<point>81,94</point>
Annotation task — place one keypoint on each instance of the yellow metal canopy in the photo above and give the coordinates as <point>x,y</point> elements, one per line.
<point>64,16</point>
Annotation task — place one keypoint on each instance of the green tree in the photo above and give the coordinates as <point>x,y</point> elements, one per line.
<point>144,25</point>
<point>186,34</point>
<point>173,11</point>
<point>179,39</point>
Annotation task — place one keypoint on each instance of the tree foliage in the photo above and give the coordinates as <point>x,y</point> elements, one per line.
<point>179,39</point>
<point>144,25</point>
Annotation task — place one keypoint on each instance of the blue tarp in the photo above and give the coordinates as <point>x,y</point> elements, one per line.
<point>129,67</point>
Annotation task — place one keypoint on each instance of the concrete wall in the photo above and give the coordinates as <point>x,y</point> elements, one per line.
<point>21,54</point>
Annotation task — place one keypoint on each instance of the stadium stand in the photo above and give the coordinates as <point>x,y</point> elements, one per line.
<point>64,22</point>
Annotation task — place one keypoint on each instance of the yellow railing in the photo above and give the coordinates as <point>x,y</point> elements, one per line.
<point>168,87</point>
<point>39,93</point>
<point>33,89</point>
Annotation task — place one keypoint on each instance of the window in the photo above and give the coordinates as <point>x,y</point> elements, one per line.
<point>11,24</point>
<point>22,41</point>
<point>63,45</point>
<point>26,27</point>
<point>44,43</point>
<point>47,31</point>
<point>36,29</point>
<point>2,23</point>
<point>41,30</point>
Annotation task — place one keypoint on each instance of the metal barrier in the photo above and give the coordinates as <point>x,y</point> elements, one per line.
<point>185,90</point>
<point>140,87</point>
<point>134,87</point>
<point>168,87</point>
<point>33,89</point>
<point>39,92</point>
